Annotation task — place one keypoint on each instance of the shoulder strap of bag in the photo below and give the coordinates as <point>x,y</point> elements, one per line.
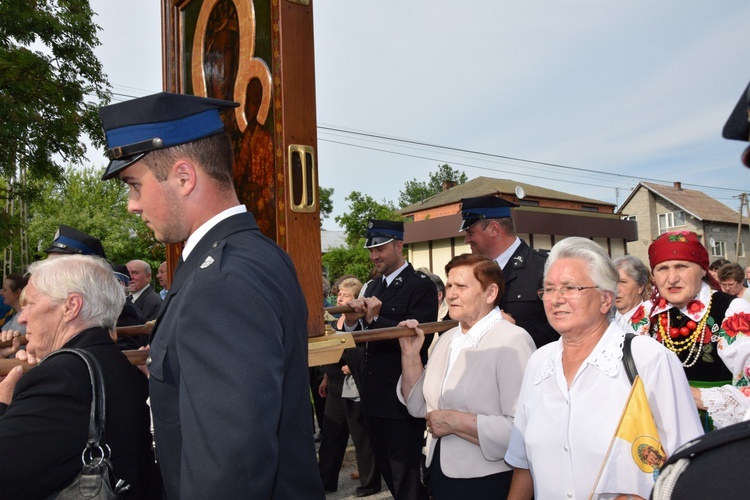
<point>627,357</point>
<point>98,399</point>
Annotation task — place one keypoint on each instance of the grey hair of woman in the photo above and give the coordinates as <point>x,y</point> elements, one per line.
<point>599,265</point>
<point>637,271</point>
<point>90,277</point>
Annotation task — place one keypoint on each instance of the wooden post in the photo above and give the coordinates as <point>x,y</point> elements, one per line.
<point>260,54</point>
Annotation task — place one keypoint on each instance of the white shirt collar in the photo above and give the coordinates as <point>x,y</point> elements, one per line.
<point>470,339</point>
<point>504,257</point>
<point>476,332</point>
<point>199,233</point>
<point>137,294</point>
<point>695,309</point>
<point>606,356</point>
<point>389,279</point>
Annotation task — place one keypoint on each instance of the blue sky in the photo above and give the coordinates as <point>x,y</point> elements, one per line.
<point>619,91</point>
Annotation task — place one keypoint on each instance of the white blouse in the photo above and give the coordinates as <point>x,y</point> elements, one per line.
<point>561,434</point>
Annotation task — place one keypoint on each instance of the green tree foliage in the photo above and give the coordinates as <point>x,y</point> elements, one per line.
<point>361,209</point>
<point>93,206</point>
<point>416,191</point>
<point>326,203</point>
<point>51,86</point>
<point>353,260</point>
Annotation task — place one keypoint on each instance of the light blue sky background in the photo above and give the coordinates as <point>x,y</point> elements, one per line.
<point>620,91</point>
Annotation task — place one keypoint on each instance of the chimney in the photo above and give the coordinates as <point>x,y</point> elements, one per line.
<point>448,184</point>
<point>678,186</point>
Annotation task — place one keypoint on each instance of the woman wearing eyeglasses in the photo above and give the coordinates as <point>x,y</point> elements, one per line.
<point>731,278</point>
<point>574,390</point>
<point>708,330</point>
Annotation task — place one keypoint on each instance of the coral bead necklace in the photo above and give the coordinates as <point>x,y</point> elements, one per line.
<point>693,340</point>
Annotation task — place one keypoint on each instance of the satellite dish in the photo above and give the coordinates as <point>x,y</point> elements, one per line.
<point>520,193</point>
<point>712,241</point>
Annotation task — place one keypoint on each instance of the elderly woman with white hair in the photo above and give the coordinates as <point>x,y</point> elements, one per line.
<point>71,302</point>
<point>574,390</point>
<point>633,292</point>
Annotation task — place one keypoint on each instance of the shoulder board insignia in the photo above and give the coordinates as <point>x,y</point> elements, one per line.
<point>209,260</point>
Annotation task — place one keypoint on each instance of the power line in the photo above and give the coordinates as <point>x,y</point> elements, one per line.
<point>462,164</point>
<point>122,95</point>
<point>504,157</point>
<point>494,160</point>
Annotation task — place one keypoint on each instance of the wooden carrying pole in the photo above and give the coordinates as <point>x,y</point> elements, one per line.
<point>122,331</point>
<point>401,331</point>
<point>341,340</point>
<point>362,336</point>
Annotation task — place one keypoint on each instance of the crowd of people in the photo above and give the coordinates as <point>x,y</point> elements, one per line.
<point>134,278</point>
<point>567,374</point>
<point>486,393</point>
<point>228,392</point>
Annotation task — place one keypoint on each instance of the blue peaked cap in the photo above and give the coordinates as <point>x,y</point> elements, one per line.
<point>483,207</point>
<point>69,240</point>
<point>380,232</point>
<point>136,127</point>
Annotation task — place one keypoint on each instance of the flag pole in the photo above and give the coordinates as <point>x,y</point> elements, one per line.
<point>614,436</point>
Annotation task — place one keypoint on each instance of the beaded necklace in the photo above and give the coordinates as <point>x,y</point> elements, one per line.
<point>692,342</point>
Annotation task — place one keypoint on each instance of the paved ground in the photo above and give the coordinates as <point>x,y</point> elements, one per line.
<point>348,485</point>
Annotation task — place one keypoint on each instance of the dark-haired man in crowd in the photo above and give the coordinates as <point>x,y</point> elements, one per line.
<point>144,297</point>
<point>490,231</point>
<point>402,293</point>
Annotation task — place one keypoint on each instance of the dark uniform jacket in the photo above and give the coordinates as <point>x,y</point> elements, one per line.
<point>229,383</point>
<point>131,316</point>
<point>524,273</point>
<point>44,430</point>
<point>411,295</point>
<point>148,302</point>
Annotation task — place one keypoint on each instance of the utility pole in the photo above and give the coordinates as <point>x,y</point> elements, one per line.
<point>743,206</point>
<point>16,207</point>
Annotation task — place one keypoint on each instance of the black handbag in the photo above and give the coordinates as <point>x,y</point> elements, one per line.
<point>96,480</point>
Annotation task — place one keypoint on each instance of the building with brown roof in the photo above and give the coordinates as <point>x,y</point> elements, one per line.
<point>544,217</point>
<point>448,201</point>
<point>658,208</point>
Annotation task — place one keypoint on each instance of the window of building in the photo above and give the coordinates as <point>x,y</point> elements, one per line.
<point>719,249</point>
<point>629,217</point>
<point>671,219</point>
<point>741,251</point>
<point>589,209</point>
<point>531,203</point>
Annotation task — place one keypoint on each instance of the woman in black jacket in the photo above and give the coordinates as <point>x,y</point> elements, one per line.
<point>71,302</point>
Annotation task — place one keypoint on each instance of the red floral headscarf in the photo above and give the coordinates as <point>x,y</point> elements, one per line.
<point>678,245</point>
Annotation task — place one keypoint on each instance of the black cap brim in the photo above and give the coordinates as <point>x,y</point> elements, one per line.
<point>376,241</point>
<point>115,166</point>
<point>59,250</point>
<point>467,223</point>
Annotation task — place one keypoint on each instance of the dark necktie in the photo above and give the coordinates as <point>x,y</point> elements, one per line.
<point>379,288</point>
<point>179,264</point>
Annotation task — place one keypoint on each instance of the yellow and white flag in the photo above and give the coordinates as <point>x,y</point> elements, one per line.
<point>635,454</point>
